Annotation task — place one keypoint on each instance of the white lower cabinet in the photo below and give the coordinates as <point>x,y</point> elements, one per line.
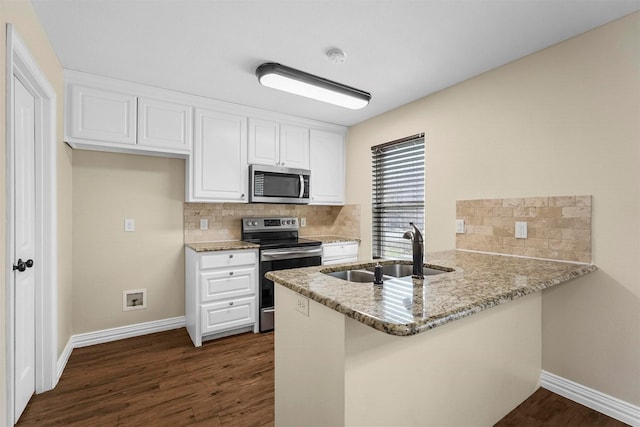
<point>220,293</point>
<point>339,252</point>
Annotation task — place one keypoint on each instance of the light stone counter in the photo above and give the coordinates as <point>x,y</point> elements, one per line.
<point>221,246</point>
<point>402,307</point>
<point>343,357</point>
<point>332,239</point>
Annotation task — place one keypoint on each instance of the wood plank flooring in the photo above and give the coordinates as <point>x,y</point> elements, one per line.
<point>162,380</point>
<point>545,408</point>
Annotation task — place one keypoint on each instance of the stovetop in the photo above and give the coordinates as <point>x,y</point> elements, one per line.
<point>274,232</point>
<point>283,243</point>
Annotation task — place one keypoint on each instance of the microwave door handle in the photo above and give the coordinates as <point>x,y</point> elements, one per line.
<point>301,186</point>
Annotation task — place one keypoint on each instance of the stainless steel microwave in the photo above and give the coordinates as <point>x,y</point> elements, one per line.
<point>273,184</point>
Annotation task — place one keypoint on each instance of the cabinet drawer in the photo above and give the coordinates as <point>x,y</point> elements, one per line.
<point>339,260</point>
<point>220,316</point>
<point>339,250</point>
<point>217,285</point>
<point>228,259</point>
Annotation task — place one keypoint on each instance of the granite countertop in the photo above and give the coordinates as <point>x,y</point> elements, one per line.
<point>332,239</point>
<point>221,246</point>
<point>408,307</point>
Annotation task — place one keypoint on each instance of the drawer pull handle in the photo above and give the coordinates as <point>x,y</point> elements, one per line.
<point>230,255</point>
<point>231,273</point>
<point>231,303</point>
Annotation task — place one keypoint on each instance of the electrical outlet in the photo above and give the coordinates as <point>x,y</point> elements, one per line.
<point>204,224</point>
<point>459,226</point>
<point>302,305</point>
<point>129,224</point>
<point>303,222</point>
<point>521,230</point>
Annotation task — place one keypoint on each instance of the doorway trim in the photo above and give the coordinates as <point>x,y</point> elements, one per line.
<point>22,65</point>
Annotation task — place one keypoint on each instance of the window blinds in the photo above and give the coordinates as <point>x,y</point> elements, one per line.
<point>398,195</point>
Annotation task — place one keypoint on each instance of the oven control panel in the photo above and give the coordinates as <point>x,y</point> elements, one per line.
<point>264,224</point>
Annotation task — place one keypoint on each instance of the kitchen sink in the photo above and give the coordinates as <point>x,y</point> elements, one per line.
<point>404,270</point>
<point>389,271</point>
<point>360,276</point>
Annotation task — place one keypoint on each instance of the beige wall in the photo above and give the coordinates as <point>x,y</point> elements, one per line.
<point>107,188</point>
<point>20,13</point>
<point>561,121</point>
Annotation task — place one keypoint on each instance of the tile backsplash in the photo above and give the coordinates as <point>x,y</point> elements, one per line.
<point>224,219</point>
<point>559,227</point>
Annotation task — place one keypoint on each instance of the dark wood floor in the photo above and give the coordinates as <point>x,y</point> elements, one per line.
<point>544,408</point>
<point>162,380</point>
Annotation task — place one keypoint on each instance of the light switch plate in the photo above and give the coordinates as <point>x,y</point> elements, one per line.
<point>459,226</point>
<point>521,230</point>
<point>204,224</point>
<point>302,305</point>
<point>129,224</point>
<point>303,222</point>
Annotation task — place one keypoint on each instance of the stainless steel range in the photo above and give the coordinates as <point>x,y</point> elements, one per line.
<point>280,248</point>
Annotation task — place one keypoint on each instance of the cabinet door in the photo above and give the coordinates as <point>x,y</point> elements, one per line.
<point>294,147</point>
<point>164,124</point>
<point>226,315</point>
<point>327,168</point>
<point>264,139</point>
<point>102,115</point>
<point>218,166</point>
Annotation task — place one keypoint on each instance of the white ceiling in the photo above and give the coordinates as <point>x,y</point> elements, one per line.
<point>398,50</point>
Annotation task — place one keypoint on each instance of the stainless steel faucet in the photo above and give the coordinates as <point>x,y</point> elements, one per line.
<point>418,250</point>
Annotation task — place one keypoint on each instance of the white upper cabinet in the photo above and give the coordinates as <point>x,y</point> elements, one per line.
<point>264,142</point>
<point>101,115</point>
<point>164,124</point>
<point>294,146</point>
<point>110,115</point>
<point>218,169</point>
<point>327,168</point>
<point>274,144</point>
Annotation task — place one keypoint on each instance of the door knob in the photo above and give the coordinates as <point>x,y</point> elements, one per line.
<point>21,266</point>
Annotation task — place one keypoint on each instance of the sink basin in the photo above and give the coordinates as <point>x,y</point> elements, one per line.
<point>353,275</point>
<point>404,270</point>
<point>389,271</point>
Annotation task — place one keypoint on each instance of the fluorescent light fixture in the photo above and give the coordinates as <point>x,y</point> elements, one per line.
<point>290,80</point>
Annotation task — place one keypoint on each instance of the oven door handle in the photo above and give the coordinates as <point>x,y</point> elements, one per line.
<point>301,186</point>
<point>286,254</point>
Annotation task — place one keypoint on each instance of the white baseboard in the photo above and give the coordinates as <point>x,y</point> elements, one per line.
<point>611,406</point>
<point>64,358</point>
<point>138,329</point>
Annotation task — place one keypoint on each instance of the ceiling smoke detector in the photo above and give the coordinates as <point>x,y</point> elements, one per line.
<point>337,56</point>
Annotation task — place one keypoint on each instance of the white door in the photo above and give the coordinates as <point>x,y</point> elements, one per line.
<point>24,271</point>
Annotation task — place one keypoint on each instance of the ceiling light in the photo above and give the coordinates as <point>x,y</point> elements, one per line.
<point>290,80</point>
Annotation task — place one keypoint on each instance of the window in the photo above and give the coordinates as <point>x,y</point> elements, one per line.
<point>398,195</point>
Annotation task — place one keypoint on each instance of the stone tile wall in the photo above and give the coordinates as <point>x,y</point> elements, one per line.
<point>225,219</point>
<point>557,227</point>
